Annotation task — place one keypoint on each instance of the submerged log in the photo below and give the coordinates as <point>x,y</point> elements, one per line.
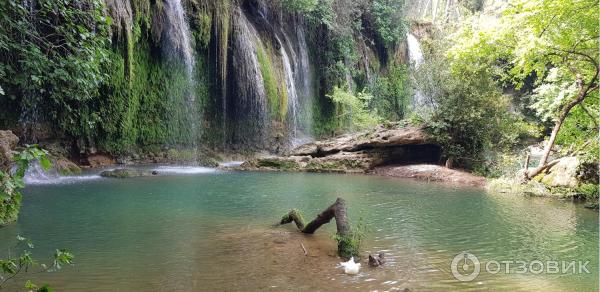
<point>346,246</point>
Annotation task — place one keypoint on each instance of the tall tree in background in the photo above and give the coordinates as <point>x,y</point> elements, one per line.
<point>554,43</point>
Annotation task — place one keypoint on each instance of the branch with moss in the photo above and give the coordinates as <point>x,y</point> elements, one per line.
<point>348,240</point>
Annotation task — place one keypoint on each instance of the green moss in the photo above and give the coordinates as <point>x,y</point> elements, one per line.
<point>278,164</point>
<point>283,101</point>
<point>270,83</point>
<point>349,245</point>
<point>181,155</point>
<point>293,215</point>
<point>202,28</point>
<point>341,165</point>
<point>125,173</point>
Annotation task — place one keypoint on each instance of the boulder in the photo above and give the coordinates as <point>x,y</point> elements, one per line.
<point>563,174</point>
<point>382,136</point>
<point>65,166</point>
<point>355,153</point>
<point>8,142</point>
<point>434,173</point>
<point>127,173</point>
<point>99,160</point>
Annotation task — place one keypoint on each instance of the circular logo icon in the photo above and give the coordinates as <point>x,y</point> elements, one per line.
<point>469,267</point>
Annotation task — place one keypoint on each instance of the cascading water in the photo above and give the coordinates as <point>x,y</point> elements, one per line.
<point>178,48</point>
<point>178,35</point>
<point>290,82</point>
<point>250,102</point>
<point>415,56</point>
<point>298,78</point>
<point>414,50</point>
<point>304,80</point>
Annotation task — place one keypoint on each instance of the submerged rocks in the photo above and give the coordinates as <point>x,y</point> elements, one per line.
<point>127,173</point>
<point>356,153</point>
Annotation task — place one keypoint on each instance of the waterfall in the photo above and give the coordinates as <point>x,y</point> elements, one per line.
<point>177,46</point>
<point>249,102</point>
<point>290,83</point>
<point>414,50</point>
<point>415,56</point>
<point>178,35</point>
<point>298,77</point>
<point>304,79</point>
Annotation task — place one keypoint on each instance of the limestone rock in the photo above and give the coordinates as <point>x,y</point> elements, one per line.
<point>563,174</point>
<point>99,160</point>
<point>435,173</point>
<point>356,153</point>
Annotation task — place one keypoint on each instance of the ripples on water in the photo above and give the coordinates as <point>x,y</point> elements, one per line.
<point>211,231</point>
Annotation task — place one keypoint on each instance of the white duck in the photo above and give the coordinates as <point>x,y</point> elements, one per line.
<point>350,267</point>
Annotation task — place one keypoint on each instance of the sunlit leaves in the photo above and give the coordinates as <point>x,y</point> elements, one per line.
<point>24,262</point>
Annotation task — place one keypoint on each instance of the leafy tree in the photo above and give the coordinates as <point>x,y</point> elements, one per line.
<point>51,56</point>
<point>468,114</point>
<point>316,11</point>
<point>391,93</point>
<point>352,110</point>
<point>554,43</point>
<point>388,21</point>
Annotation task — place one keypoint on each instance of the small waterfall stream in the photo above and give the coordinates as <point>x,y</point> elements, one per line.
<point>178,35</point>
<point>415,55</point>
<point>414,50</point>
<point>296,65</point>
<point>250,107</point>
<point>178,49</point>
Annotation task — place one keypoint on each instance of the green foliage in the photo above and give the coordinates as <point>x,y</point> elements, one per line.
<point>302,6</point>
<point>51,55</point>
<point>317,12</point>
<point>11,184</point>
<point>391,93</point>
<point>11,267</point>
<point>469,114</point>
<point>349,245</point>
<point>550,46</point>
<point>352,110</point>
<point>388,21</point>
<point>202,25</point>
<point>589,192</point>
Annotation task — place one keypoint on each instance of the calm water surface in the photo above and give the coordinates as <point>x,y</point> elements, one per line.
<point>209,231</point>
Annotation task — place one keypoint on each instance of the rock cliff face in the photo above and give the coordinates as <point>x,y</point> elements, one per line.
<point>357,153</point>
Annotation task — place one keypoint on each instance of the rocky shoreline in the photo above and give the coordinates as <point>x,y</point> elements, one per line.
<point>392,150</point>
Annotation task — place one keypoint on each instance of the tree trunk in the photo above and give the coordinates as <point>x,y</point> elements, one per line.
<point>583,92</point>
<point>449,163</point>
<point>338,211</point>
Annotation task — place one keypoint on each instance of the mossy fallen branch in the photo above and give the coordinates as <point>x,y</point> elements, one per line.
<point>348,246</point>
